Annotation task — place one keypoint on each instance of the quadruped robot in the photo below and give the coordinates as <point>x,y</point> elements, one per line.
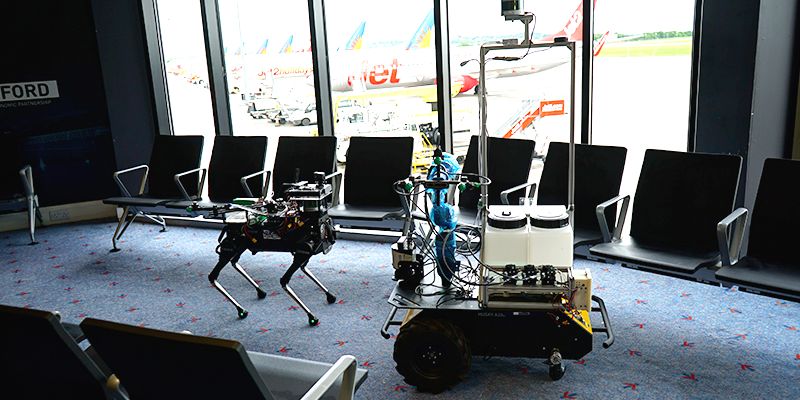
<point>298,224</point>
<point>515,292</point>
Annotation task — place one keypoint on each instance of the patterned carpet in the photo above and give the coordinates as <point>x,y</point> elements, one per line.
<point>675,339</point>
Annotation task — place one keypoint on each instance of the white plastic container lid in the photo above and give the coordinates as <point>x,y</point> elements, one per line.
<point>549,217</point>
<point>506,218</point>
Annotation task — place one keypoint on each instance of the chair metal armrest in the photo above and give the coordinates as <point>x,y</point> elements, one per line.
<point>504,194</point>
<point>265,184</point>
<point>121,185</point>
<point>200,185</point>
<point>337,186</point>
<point>26,173</point>
<point>730,242</point>
<point>344,367</point>
<point>623,214</point>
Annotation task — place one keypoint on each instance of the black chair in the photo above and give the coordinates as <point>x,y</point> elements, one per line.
<point>18,197</point>
<point>598,175</point>
<point>374,164</point>
<point>298,157</point>
<point>509,166</point>
<point>155,364</point>
<point>679,200</point>
<point>12,199</point>
<point>236,162</point>
<point>42,359</point>
<point>172,157</point>
<point>771,265</point>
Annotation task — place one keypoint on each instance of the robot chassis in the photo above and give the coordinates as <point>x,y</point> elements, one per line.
<point>298,224</point>
<point>519,311</point>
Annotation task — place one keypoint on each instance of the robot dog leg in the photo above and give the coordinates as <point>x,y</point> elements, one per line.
<point>229,251</point>
<point>301,257</point>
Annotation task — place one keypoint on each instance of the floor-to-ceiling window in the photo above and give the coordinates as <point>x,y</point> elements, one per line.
<point>642,78</point>
<point>185,64</point>
<point>270,77</point>
<point>383,72</point>
<point>528,90</point>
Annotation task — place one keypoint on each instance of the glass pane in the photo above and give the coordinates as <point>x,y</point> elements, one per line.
<point>269,69</point>
<point>642,78</point>
<point>184,53</point>
<point>383,71</point>
<point>528,90</point>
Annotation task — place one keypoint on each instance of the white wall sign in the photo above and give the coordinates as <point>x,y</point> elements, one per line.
<point>20,91</point>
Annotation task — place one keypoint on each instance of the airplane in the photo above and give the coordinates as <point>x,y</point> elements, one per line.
<point>390,69</point>
<point>423,35</point>
<point>356,41</point>
<point>409,67</point>
<point>287,47</point>
<point>263,49</point>
<point>295,64</point>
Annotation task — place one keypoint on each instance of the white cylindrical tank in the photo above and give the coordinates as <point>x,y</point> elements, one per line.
<point>505,240</point>
<point>550,236</point>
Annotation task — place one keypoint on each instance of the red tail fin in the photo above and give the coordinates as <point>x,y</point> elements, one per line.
<point>600,43</point>
<point>573,29</point>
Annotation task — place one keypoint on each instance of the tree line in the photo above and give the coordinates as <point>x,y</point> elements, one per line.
<point>651,35</point>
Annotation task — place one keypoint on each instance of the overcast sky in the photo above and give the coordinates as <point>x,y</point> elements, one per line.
<point>253,21</point>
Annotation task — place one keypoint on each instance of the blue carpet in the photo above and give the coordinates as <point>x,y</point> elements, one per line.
<point>675,339</point>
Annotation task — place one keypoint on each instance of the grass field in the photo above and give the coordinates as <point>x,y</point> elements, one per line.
<point>648,48</point>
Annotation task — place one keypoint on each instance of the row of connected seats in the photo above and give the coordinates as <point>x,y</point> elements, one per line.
<point>683,223</point>
<point>598,178</point>
<point>173,179</point>
<point>44,360</point>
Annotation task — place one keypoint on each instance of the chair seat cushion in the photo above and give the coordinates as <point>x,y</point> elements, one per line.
<point>628,251</point>
<point>290,378</point>
<point>137,201</point>
<point>750,271</point>
<point>586,237</point>
<point>345,211</point>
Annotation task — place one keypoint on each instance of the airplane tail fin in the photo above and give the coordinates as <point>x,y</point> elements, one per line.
<point>573,28</point>
<point>263,49</point>
<point>287,47</point>
<point>422,37</point>
<point>356,41</point>
<point>600,43</point>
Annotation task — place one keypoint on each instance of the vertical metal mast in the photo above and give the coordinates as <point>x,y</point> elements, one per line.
<point>482,142</point>
<point>571,183</point>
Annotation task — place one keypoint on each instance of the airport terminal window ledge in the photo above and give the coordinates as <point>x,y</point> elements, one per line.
<point>59,214</point>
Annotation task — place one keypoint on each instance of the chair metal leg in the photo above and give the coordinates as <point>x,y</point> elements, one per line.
<point>127,224</point>
<point>123,219</point>
<point>159,220</point>
<point>38,211</point>
<point>32,210</point>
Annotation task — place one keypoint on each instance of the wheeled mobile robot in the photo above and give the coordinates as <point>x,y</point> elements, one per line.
<point>514,293</point>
